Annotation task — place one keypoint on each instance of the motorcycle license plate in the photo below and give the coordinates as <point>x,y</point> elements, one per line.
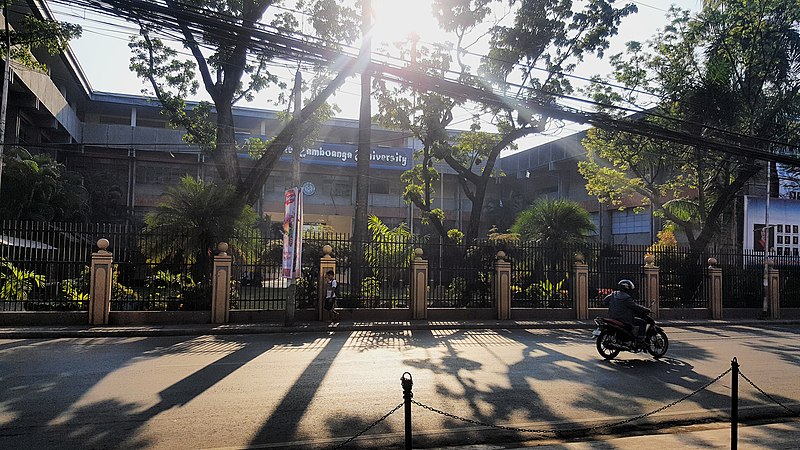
<point>596,333</point>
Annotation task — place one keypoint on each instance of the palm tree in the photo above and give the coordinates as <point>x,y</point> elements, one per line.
<point>195,216</point>
<point>558,226</point>
<point>554,223</point>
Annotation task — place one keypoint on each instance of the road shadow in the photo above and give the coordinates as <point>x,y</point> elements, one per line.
<point>609,389</point>
<point>107,423</point>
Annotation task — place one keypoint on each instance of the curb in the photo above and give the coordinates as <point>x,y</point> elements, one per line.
<point>206,329</point>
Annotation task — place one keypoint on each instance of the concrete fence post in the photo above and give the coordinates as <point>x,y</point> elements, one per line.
<point>221,285</point>
<point>100,284</point>
<point>419,286</point>
<point>651,287</point>
<point>715,288</point>
<point>774,285</point>
<point>326,263</point>
<point>502,286</point>
<point>581,287</point>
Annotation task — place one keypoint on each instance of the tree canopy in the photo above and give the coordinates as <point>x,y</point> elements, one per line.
<point>535,50</point>
<point>36,187</point>
<point>731,72</point>
<point>230,69</point>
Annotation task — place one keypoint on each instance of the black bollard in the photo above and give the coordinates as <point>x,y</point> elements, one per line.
<point>407,383</point>
<point>734,404</point>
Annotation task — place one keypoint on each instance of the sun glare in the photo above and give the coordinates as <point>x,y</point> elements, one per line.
<point>396,20</point>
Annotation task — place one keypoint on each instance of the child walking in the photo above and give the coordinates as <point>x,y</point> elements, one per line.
<point>331,292</point>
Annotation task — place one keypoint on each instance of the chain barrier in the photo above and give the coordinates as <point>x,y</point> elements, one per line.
<point>571,430</point>
<point>385,416</point>
<point>767,395</point>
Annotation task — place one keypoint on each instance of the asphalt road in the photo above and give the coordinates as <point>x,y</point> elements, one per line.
<point>314,390</point>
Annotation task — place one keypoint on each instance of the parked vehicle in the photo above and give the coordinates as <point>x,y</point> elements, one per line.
<point>613,337</point>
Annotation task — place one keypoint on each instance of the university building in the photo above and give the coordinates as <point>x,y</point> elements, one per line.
<point>128,156</point>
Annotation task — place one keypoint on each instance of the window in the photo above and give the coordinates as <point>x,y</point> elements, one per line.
<point>596,221</point>
<point>788,236</point>
<point>628,222</point>
<point>158,173</point>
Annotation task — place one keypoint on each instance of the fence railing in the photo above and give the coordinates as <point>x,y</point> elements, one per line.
<point>45,266</point>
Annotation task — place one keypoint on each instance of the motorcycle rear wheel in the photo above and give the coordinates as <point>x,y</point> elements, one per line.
<point>603,348</point>
<point>657,344</point>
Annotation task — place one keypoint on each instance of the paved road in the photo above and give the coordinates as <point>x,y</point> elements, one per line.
<point>309,390</point>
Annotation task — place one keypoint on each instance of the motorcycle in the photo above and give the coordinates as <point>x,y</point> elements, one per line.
<point>612,337</point>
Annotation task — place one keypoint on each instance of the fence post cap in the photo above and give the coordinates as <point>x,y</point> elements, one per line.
<point>222,248</point>
<point>102,244</point>
<point>770,262</point>
<point>712,262</point>
<point>579,257</point>
<point>649,259</point>
<point>327,250</point>
<point>501,255</point>
<point>418,253</point>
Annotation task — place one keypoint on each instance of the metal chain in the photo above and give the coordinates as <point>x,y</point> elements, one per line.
<point>571,430</point>
<point>369,427</point>
<point>767,395</point>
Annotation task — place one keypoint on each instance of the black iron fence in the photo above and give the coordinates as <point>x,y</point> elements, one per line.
<point>156,271</point>
<point>607,265</point>
<point>45,266</point>
<point>542,276</point>
<point>743,277</point>
<point>460,275</point>
<point>683,278</point>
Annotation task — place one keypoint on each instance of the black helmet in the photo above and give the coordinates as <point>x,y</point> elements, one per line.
<point>626,285</point>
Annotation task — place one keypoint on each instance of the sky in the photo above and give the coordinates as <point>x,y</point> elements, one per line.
<point>103,53</point>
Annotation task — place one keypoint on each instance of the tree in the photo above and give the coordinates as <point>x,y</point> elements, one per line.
<point>546,35</point>
<point>32,34</point>
<point>554,223</point>
<point>732,73</point>
<point>35,187</point>
<point>196,216</point>
<point>230,72</point>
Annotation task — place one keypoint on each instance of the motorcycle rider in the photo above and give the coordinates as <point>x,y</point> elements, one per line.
<point>622,307</point>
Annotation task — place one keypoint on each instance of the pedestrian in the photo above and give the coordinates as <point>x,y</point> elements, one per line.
<point>331,293</point>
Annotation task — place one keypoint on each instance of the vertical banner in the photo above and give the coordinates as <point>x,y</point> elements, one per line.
<point>298,246</point>
<point>292,233</point>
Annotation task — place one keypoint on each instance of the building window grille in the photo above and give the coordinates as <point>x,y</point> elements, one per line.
<point>628,222</point>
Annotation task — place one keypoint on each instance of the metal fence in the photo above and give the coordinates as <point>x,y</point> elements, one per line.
<point>461,275</point>
<point>607,265</point>
<point>541,276</point>
<point>789,279</point>
<point>683,279</point>
<point>743,277</point>
<point>156,271</point>
<point>44,266</point>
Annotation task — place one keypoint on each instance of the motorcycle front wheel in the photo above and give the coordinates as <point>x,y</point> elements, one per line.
<point>603,342</point>
<point>657,344</point>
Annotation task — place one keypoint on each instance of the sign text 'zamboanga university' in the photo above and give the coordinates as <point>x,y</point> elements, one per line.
<point>398,158</point>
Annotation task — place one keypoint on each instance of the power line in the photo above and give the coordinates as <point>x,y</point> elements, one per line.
<point>288,46</point>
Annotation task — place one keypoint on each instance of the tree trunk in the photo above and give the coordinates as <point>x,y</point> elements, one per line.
<point>224,154</point>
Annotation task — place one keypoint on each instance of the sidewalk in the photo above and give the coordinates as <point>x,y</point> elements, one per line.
<point>48,332</point>
<point>773,436</point>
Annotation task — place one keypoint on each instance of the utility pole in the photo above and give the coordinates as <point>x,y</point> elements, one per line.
<point>297,145</point>
<point>364,149</point>
<point>6,76</point>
